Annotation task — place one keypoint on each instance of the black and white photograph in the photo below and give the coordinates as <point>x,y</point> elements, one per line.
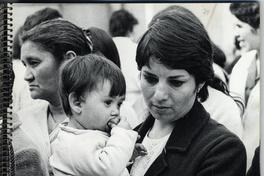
<point>136,89</point>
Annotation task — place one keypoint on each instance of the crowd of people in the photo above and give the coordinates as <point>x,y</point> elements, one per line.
<point>96,103</point>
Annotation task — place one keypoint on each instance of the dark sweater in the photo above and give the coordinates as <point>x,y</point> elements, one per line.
<point>198,146</point>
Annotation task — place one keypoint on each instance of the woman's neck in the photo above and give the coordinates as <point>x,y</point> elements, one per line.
<point>160,129</point>
<point>57,113</point>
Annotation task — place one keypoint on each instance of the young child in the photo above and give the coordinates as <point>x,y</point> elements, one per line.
<point>92,90</point>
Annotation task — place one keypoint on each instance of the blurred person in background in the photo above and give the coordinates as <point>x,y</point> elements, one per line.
<point>175,59</point>
<point>121,26</point>
<point>244,81</point>
<point>21,94</point>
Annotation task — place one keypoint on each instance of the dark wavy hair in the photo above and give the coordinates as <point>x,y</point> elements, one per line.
<point>177,38</point>
<point>247,12</point>
<point>83,73</point>
<point>121,23</point>
<point>57,37</point>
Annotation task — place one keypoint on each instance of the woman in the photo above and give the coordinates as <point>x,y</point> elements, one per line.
<point>44,49</point>
<point>175,60</point>
<point>244,81</point>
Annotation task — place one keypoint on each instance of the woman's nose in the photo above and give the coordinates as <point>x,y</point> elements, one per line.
<point>28,76</point>
<point>161,92</point>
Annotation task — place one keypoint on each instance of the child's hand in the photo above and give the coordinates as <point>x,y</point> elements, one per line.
<point>113,122</point>
<point>124,124</point>
<point>139,150</point>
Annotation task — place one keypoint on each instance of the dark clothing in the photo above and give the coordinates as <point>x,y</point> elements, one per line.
<point>198,146</point>
<point>254,170</point>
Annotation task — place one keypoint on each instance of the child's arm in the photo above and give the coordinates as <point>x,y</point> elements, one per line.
<point>111,159</point>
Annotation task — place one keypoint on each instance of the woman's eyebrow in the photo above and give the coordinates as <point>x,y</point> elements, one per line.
<point>179,76</point>
<point>149,73</point>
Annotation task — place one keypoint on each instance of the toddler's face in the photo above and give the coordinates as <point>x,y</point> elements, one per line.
<point>99,108</point>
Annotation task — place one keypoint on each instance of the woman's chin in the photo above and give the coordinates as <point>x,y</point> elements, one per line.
<point>34,95</point>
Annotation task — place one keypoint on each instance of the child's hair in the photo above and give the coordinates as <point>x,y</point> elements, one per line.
<point>83,73</point>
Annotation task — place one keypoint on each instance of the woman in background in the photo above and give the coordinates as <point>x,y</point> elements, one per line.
<point>44,49</point>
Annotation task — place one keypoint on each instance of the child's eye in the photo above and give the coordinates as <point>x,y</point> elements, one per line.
<point>108,102</point>
<point>119,104</point>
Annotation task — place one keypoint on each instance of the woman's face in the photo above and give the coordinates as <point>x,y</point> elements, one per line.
<point>168,93</point>
<point>42,71</point>
<point>247,36</point>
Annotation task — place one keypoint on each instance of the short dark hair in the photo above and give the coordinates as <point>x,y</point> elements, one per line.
<point>121,23</point>
<point>247,12</point>
<point>177,38</point>
<point>59,36</point>
<point>219,56</point>
<point>104,44</point>
<point>83,73</point>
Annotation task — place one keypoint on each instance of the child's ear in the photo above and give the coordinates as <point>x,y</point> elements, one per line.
<point>75,103</point>
<point>70,55</point>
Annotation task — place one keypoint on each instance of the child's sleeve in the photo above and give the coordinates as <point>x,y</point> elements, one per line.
<point>111,158</point>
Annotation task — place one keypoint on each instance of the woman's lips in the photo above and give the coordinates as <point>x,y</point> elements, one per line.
<point>31,87</point>
<point>160,108</point>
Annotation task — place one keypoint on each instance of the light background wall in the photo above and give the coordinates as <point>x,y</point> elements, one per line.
<point>216,17</point>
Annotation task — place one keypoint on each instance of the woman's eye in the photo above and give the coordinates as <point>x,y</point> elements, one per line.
<point>150,79</point>
<point>33,63</point>
<point>175,83</point>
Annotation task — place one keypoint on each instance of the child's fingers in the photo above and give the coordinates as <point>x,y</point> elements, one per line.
<point>111,124</point>
<point>124,124</point>
<point>141,149</point>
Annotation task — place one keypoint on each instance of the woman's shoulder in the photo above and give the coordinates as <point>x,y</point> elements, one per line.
<point>35,109</point>
<point>218,133</point>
